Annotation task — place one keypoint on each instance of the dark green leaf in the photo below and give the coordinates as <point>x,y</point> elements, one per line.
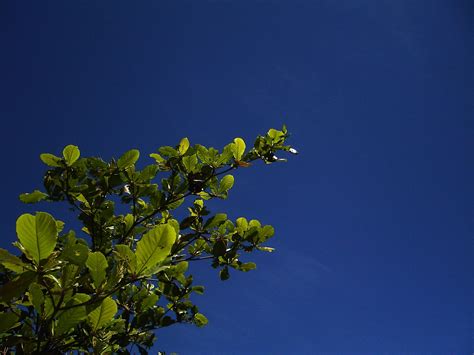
<point>16,287</point>
<point>11,262</point>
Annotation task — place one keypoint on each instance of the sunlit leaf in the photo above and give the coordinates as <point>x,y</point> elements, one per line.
<point>71,153</point>
<point>97,264</point>
<point>102,314</point>
<point>128,159</point>
<point>154,247</point>
<point>38,234</point>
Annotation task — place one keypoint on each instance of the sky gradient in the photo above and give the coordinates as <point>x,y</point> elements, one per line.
<point>373,219</point>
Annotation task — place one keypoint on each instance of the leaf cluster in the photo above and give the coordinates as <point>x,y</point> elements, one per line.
<point>124,275</point>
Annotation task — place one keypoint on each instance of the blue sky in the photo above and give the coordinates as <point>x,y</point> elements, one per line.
<point>373,218</point>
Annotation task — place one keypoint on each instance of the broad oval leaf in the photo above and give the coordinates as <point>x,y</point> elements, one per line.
<point>33,197</point>
<point>38,234</point>
<point>128,159</point>
<point>154,247</point>
<point>226,183</point>
<point>102,314</point>
<point>71,153</point>
<point>97,264</point>
<point>238,148</point>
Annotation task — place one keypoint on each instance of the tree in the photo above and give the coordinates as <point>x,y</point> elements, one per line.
<point>126,276</point>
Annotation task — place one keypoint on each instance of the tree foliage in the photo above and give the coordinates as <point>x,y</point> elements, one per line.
<point>125,274</point>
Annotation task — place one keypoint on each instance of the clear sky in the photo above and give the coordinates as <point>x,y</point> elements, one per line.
<point>373,218</point>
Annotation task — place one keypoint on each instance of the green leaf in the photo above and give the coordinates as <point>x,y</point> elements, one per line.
<point>71,153</point>
<point>38,234</point>
<point>71,318</point>
<point>33,197</point>
<point>198,289</point>
<point>226,183</point>
<point>183,146</point>
<point>7,321</point>
<point>36,296</point>
<point>102,314</point>
<point>128,159</point>
<point>190,162</point>
<point>224,273</point>
<point>247,267</point>
<point>125,253</point>
<point>181,267</point>
<point>50,160</point>
<point>154,247</point>
<point>16,287</point>
<point>242,225</point>
<point>216,220</point>
<point>11,262</point>
<point>75,253</point>
<point>267,249</point>
<point>200,320</point>
<point>97,264</point>
<point>158,158</point>
<point>149,301</point>
<point>238,148</point>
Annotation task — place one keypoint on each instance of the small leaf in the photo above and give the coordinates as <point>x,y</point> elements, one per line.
<point>36,296</point>
<point>200,320</point>
<point>76,253</point>
<point>219,248</point>
<point>226,183</point>
<point>38,234</point>
<point>242,225</point>
<point>50,160</point>
<point>11,262</point>
<point>198,289</point>
<point>183,146</point>
<point>128,159</point>
<point>33,197</point>
<point>7,321</point>
<point>97,264</point>
<point>125,253</point>
<point>216,220</point>
<point>267,249</point>
<point>247,267</point>
<point>154,247</point>
<point>102,314</point>
<point>158,158</point>
<point>190,162</point>
<point>238,148</point>
<point>224,273</point>
<point>71,153</point>
<point>149,301</point>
